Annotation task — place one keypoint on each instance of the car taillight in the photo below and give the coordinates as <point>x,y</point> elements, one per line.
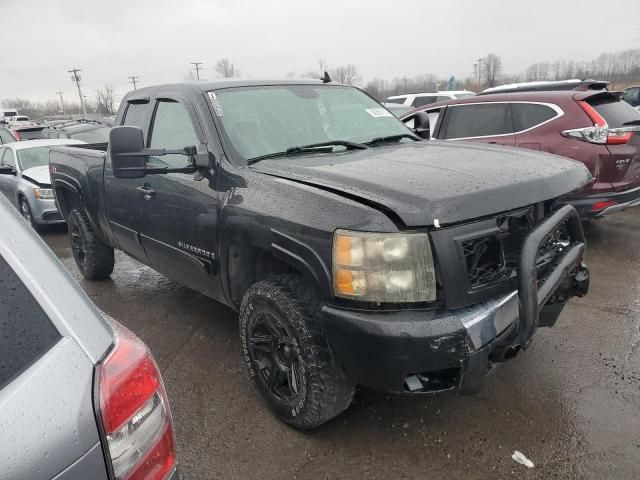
<point>134,412</point>
<point>16,135</point>
<point>596,207</point>
<point>600,131</point>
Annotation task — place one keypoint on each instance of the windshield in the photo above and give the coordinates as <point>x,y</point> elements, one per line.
<point>258,121</point>
<point>33,157</point>
<point>95,135</point>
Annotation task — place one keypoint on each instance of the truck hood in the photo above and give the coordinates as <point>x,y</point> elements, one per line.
<point>38,175</point>
<point>430,181</point>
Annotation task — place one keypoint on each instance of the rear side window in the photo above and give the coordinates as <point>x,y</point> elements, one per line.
<point>632,97</point>
<point>399,101</point>
<point>479,120</point>
<point>420,101</point>
<point>8,158</point>
<point>528,115</point>
<point>616,113</point>
<point>26,333</point>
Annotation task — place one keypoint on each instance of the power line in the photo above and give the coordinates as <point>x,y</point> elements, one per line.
<point>76,79</point>
<point>198,68</point>
<point>133,80</point>
<point>61,102</point>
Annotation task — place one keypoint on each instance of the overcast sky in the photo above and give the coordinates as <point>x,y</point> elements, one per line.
<point>157,39</point>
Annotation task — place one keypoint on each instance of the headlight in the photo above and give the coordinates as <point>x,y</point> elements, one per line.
<point>383,267</point>
<point>43,193</point>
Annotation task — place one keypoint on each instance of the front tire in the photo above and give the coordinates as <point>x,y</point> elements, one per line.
<point>93,257</point>
<point>287,353</point>
<point>25,210</point>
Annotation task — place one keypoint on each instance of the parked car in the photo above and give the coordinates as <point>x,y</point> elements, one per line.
<point>6,136</point>
<point>27,131</point>
<point>632,97</point>
<point>593,127</point>
<point>354,252</point>
<point>89,131</point>
<point>80,396</point>
<point>547,86</point>
<point>415,100</point>
<point>26,182</point>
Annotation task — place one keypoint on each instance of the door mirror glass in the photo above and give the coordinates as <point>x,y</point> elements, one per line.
<point>422,125</point>
<point>126,145</point>
<point>7,170</point>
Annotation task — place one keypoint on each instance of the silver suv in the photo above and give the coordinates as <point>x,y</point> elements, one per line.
<point>80,397</point>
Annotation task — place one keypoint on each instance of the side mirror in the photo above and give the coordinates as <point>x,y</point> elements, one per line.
<point>126,145</point>
<point>421,125</point>
<point>7,170</point>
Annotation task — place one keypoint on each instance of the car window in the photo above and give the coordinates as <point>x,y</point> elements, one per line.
<point>94,135</point>
<point>528,115</point>
<point>478,120</point>
<point>5,137</point>
<point>615,112</point>
<point>632,96</point>
<point>135,115</point>
<point>268,119</point>
<point>443,98</point>
<point>399,100</point>
<point>8,158</point>
<point>26,333</point>
<point>33,157</point>
<point>172,128</point>
<point>426,100</point>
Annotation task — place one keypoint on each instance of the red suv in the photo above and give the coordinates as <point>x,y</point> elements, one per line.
<point>593,127</point>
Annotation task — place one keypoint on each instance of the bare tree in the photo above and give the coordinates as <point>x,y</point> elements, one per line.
<point>189,76</point>
<point>106,100</point>
<point>346,74</point>
<point>226,69</point>
<point>492,69</point>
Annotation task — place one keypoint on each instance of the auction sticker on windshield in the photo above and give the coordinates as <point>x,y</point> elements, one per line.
<point>378,112</point>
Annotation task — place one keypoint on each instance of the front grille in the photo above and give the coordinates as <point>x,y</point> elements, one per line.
<point>51,216</point>
<point>493,257</point>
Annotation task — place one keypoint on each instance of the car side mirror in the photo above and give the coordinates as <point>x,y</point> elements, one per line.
<point>421,125</point>
<point>7,170</point>
<point>126,145</point>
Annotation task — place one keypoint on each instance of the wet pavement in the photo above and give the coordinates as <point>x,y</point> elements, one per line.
<point>571,403</point>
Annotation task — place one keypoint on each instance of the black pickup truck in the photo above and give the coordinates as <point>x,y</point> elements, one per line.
<point>354,251</point>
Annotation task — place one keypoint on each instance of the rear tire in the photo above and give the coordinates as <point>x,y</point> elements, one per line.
<point>287,354</point>
<point>93,257</point>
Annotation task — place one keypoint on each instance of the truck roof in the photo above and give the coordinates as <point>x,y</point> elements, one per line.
<point>207,85</point>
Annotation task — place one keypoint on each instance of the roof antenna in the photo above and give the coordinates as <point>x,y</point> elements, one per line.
<point>326,78</point>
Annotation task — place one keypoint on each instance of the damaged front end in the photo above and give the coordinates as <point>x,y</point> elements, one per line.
<point>536,268</point>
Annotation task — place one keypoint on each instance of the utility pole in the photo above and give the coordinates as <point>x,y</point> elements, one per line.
<point>479,68</point>
<point>76,79</point>
<point>133,80</point>
<point>198,68</point>
<point>62,103</point>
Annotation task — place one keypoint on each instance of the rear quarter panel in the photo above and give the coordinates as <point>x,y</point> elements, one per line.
<point>80,172</point>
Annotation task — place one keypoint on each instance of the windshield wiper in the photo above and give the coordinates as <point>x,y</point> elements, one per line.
<point>632,122</point>
<point>321,147</point>
<point>393,138</point>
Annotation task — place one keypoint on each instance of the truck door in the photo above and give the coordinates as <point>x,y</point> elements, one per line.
<point>123,199</point>
<point>479,122</point>
<point>8,181</point>
<point>179,227</point>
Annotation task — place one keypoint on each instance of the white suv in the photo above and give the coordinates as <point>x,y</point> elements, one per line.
<point>415,100</point>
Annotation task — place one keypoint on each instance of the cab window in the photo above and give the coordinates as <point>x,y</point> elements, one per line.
<point>172,129</point>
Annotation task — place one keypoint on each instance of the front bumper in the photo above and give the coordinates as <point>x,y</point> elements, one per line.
<point>424,351</point>
<point>623,200</point>
<point>45,211</point>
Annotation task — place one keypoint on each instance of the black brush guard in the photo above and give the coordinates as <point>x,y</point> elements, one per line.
<point>568,272</point>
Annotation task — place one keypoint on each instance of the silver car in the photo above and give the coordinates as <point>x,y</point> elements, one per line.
<point>80,396</point>
<point>25,179</point>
